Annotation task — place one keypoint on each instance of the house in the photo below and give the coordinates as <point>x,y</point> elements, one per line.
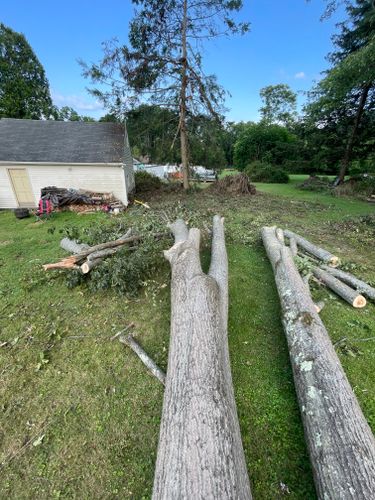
<point>81,155</point>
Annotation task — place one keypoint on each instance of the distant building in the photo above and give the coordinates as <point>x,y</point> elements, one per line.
<point>80,155</point>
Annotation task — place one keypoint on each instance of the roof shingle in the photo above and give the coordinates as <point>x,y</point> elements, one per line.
<point>61,142</point>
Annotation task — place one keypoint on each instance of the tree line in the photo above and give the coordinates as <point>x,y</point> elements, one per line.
<point>175,112</point>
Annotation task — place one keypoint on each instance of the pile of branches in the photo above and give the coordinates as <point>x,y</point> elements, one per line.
<point>234,184</point>
<point>123,262</point>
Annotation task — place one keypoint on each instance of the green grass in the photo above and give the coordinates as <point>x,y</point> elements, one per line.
<point>93,401</point>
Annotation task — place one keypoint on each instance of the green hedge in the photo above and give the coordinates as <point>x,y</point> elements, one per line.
<point>265,172</point>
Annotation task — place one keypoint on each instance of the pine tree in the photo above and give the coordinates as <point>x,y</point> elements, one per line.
<point>24,89</point>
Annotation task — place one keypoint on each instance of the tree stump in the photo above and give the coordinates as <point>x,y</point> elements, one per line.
<point>200,453</point>
<point>340,442</point>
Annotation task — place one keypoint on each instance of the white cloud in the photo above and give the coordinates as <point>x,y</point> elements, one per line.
<point>78,102</point>
<point>300,75</point>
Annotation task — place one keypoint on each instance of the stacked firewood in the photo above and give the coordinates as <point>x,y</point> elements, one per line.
<point>339,439</point>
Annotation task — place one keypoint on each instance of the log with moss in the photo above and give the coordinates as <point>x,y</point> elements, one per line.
<point>200,453</point>
<point>339,440</point>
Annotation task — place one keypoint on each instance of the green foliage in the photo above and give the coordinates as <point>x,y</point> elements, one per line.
<point>258,142</point>
<point>127,270</point>
<point>265,172</point>
<point>146,182</point>
<point>67,113</point>
<point>339,115</point>
<point>24,89</point>
<point>280,105</point>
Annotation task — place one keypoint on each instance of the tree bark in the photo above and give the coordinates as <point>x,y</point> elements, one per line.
<point>293,247</point>
<point>143,356</point>
<point>344,291</point>
<point>349,146</point>
<point>340,442</point>
<point>200,453</point>
<point>184,81</point>
<point>72,246</point>
<point>312,249</point>
<point>349,279</point>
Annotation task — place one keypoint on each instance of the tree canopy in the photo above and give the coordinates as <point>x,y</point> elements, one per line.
<point>279,104</point>
<point>24,88</point>
<point>162,64</point>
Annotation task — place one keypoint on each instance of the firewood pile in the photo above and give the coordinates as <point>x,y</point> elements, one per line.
<point>339,439</point>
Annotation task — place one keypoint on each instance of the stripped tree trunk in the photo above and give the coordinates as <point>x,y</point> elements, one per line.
<point>359,285</point>
<point>293,247</point>
<point>340,442</point>
<point>312,249</point>
<point>200,453</point>
<point>344,291</point>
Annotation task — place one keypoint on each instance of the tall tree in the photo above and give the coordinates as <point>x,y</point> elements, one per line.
<point>24,89</point>
<point>163,61</point>
<point>68,114</point>
<point>346,95</point>
<point>279,104</point>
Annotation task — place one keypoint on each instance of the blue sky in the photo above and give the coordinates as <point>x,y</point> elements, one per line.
<point>287,44</point>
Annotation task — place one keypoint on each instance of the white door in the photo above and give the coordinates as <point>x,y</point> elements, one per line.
<point>22,187</point>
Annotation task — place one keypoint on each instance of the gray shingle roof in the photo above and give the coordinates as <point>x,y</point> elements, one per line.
<point>65,142</point>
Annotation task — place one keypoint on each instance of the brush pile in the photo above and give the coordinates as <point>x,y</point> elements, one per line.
<point>238,184</point>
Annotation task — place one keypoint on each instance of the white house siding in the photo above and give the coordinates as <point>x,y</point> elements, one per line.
<point>100,178</point>
<point>7,197</point>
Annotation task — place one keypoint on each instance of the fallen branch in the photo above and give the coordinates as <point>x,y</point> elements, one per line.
<point>351,280</point>
<point>312,249</point>
<point>72,260</point>
<point>344,291</point>
<point>143,356</point>
<point>339,439</point>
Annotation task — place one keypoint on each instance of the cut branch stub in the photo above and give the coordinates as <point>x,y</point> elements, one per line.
<point>200,453</point>
<point>312,249</point>
<point>339,439</point>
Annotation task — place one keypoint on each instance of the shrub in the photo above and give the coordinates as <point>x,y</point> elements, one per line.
<point>145,182</point>
<point>265,172</point>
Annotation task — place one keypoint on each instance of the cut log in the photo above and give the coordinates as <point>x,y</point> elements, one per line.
<point>340,442</point>
<point>344,291</point>
<point>349,279</point>
<point>312,249</point>
<point>72,246</point>
<point>143,356</point>
<point>200,453</point>
<point>293,247</point>
<point>90,264</point>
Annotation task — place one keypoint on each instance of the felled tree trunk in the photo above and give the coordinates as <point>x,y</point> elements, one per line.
<point>344,291</point>
<point>351,280</point>
<point>312,249</point>
<point>340,442</point>
<point>200,453</point>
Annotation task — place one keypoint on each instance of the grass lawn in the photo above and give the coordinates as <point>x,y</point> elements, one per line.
<point>79,414</point>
